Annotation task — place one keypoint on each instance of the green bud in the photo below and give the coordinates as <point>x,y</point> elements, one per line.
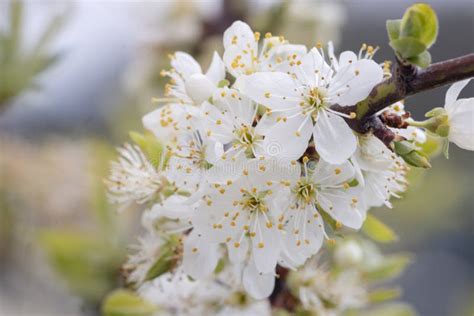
<point>411,154</point>
<point>417,159</point>
<point>443,130</point>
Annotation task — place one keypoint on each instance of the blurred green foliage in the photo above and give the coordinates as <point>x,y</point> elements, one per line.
<point>126,303</point>
<point>89,260</point>
<point>20,65</point>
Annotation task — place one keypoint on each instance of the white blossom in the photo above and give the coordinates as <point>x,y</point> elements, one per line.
<point>133,178</point>
<point>324,187</point>
<point>300,99</point>
<point>461,116</point>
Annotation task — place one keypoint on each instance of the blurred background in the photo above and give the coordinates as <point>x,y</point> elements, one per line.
<point>76,77</point>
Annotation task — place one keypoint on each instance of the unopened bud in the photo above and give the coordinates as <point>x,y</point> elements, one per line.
<point>411,154</point>
<point>348,254</point>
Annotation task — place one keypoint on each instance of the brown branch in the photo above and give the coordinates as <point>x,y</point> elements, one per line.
<point>406,80</point>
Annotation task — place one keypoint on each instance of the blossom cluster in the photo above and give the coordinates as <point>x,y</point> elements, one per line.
<point>254,161</point>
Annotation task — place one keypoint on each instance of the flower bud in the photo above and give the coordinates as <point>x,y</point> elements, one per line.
<point>412,155</point>
<point>348,254</point>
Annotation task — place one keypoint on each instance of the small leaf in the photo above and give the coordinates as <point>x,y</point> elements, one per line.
<point>408,47</point>
<point>389,268</point>
<point>378,231</point>
<point>393,29</point>
<point>163,264</point>
<point>384,294</point>
<point>126,303</point>
<point>423,60</point>
<point>420,22</point>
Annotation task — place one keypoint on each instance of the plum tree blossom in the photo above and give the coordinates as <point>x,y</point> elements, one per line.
<point>248,169</point>
<point>299,102</point>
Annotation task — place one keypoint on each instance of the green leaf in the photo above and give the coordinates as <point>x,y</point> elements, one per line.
<point>378,231</point>
<point>395,309</point>
<point>423,60</point>
<point>408,47</point>
<point>389,268</point>
<point>384,294</point>
<point>163,264</point>
<point>420,22</point>
<point>85,261</point>
<point>126,303</point>
<point>393,29</point>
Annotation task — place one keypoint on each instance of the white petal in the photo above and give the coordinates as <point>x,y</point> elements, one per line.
<point>174,207</point>
<point>333,174</point>
<point>168,120</point>
<point>338,204</point>
<point>461,122</point>
<point>185,64</point>
<point>275,90</point>
<point>266,257</point>
<point>216,71</point>
<point>310,234</point>
<point>354,82</point>
<point>453,93</point>
<point>334,140</point>
<point>199,88</point>
<point>347,58</point>
<point>288,140</point>
<point>242,32</point>
<point>238,254</point>
<point>313,62</point>
<point>239,42</point>
<point>258,285</point>
<point>200,256</point>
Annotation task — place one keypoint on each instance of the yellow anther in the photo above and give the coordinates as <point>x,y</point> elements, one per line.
<point>337,170</point>
<point>261,245</point>
<point>268,35</point>
<point>257,36</point>
<point>267,95</point>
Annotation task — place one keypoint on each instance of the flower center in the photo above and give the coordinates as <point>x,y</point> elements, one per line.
<point>314,100</point>
<point>253,202</point>
<point>246,139</point>
<point>305,192</point>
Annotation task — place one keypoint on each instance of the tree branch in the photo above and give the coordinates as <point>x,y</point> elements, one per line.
<point>406,80</point>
